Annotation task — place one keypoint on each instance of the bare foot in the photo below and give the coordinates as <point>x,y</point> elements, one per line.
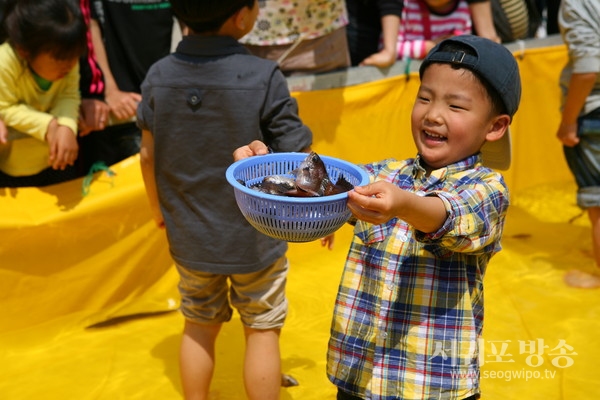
<point>582,280</point>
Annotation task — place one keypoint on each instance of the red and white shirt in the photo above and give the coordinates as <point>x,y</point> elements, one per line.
<point>419,24</point>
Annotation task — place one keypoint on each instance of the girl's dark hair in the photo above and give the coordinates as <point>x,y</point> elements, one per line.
<point>207,15</point>
<point>39,26</point>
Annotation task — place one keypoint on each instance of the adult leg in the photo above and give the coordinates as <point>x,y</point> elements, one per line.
<point>262,364</point>
<point>584,162</point>
<point>582,279</point>
<point>197,359</point>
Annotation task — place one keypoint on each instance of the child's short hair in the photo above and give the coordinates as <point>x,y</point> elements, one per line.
<point>207,15</point>
<point>53,26</point>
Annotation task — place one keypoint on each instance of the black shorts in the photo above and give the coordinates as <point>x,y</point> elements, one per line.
<point>584,160</point>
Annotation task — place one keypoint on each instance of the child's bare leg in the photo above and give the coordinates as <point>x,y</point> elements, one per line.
<point>262,364</point>
<point>197,359</point>
<point>581,279</point>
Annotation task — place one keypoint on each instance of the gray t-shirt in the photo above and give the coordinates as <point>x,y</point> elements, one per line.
<point>200,104</point>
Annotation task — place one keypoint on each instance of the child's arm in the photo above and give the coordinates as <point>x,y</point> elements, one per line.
<point>387,55</point>
<point>122,104</point>
<point>63,148</point>
<point>579,89</point>
<point>390,12</point>
<point>29,119</point>
<point>483,20</point>
<point>147,165</point>
<point>381,201</point>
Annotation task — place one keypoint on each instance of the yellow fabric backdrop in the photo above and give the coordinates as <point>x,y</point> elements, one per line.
<point>88,291</point>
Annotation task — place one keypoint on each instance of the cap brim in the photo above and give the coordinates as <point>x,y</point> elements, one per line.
<point>497,154</point>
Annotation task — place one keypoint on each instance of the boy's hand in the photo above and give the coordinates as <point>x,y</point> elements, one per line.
<point>256,148</point>
<point>567,134</point>
<point>375,203</point>
<point>63,146</point>
<point>123,104</point>
<point>328,241</point>
<point>93,115</point>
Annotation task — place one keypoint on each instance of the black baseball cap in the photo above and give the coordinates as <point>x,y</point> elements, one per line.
<point>493,63</point>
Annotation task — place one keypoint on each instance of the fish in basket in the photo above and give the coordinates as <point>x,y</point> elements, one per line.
<point>296,197</point>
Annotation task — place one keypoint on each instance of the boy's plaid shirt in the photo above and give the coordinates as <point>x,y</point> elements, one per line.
<point>409,310</point>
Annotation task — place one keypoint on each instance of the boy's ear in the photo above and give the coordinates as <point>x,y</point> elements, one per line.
<point>498,127</point>
<point>239,18</point>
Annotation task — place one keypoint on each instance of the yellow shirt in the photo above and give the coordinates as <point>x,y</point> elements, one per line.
<point>27,111</point>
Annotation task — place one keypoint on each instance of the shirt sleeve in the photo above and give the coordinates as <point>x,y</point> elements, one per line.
<point>579,25</point>
<point>28,119</point>
<point>390,7</point>
<point>68,100</point>
<point>476,216</point>
<point>281,126</point>
<point>144,112</point>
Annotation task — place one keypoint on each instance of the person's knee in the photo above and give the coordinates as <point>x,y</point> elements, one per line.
<point>250,331</point>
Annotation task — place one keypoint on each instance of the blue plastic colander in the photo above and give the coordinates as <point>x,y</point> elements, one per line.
<point>293,219</point>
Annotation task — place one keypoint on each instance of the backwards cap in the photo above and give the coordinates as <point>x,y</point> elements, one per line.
<point>495,64</point>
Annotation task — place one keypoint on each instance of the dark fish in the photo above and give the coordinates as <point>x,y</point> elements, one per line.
<point>311,176</point>
<point>310,179</point>
<point>277,184</point>
<point>341,186</point>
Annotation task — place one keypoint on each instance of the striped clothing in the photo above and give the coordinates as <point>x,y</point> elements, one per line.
<point>409,311</point>
<point>92,80</point>
<point>419,24</point>
<point>518,17</point>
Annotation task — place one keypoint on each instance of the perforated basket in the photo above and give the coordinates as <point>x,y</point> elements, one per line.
<point>293,219</point>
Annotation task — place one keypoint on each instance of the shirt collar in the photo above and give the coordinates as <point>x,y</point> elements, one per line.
<point>462,165</point>
<point>210,45</point>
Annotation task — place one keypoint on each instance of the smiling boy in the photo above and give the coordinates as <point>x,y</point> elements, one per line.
<point>409,311</point>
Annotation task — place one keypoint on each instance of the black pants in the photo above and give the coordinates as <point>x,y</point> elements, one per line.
<point>341,395</point>
<point>46,177</point>
<point>113,144</point>
<point>363,29</point>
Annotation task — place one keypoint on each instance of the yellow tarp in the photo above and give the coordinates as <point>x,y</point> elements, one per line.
<point>88,292</point>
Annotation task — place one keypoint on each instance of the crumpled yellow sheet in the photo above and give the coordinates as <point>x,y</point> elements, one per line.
<point>88,293</point>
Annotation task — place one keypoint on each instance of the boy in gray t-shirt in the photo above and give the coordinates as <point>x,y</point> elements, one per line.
<point>198,105</point>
